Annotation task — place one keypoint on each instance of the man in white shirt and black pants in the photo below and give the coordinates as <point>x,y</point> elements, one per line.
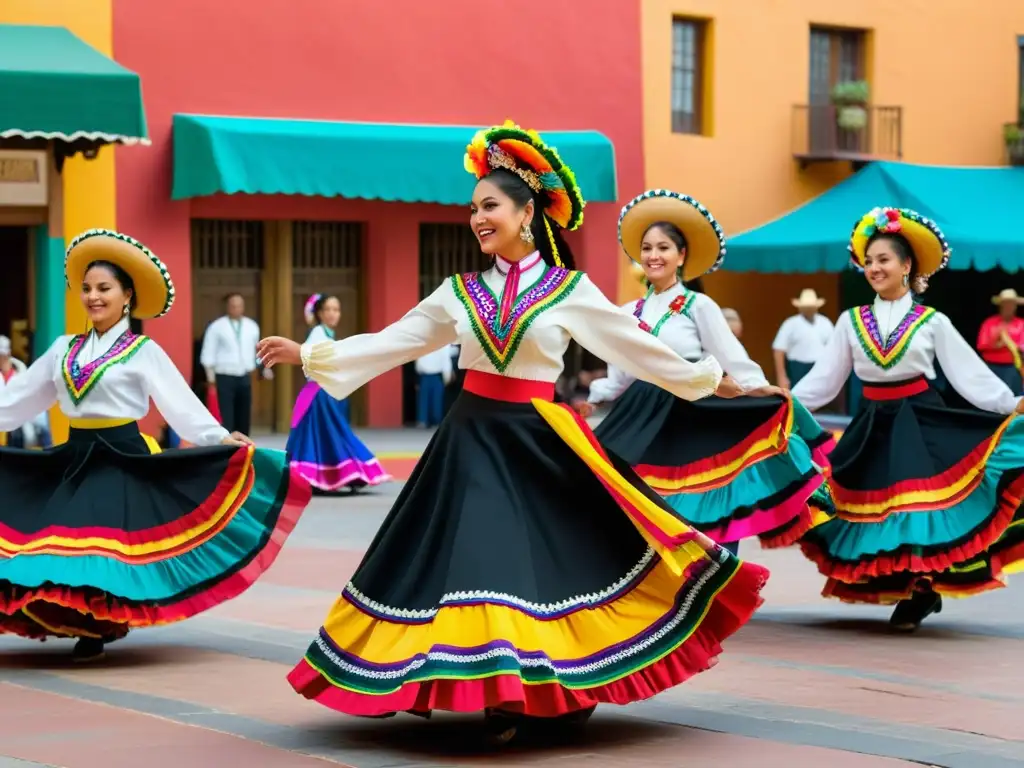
<point>229,358</point>
<point>801,339</point>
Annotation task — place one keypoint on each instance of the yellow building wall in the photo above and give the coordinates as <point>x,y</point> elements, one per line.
<point>89,194</point>
<point>953,71</point>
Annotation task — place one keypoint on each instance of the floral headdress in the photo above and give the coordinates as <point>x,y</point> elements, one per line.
<point>525,154</point>
<point>309,310</point>
<point>931,251</point>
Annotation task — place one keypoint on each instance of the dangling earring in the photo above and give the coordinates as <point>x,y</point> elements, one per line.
<point>126,310</point>
<point>906,280</point>
<point>525,233</point>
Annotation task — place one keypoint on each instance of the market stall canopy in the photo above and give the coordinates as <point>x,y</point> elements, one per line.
<point>53,85</point>
<point>979,210</point>
<point>370,161</point>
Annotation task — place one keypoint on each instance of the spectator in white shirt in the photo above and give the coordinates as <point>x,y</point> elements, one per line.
<point>434,371</point>
<point>229,358</point>
<point>734,321</point>
<point>801,339</point>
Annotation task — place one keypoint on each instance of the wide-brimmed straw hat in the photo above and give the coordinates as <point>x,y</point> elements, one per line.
<point>705,240</point>
<point>931,251</point>
<point>808,298</point>
<point>154,290</point>
<point>1008,295</point>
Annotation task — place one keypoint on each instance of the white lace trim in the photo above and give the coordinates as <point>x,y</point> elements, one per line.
<point>544,609</point>
<point>544,663</point>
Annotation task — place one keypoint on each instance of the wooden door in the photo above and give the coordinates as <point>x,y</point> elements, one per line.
<point>227,257</point>
<point>326,259</point>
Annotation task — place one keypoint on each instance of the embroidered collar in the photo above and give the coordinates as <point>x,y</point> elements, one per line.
<point>526,263</point>
<point>681,305</point>
<point>501,341</point>
<point>328,331</point>
<point>888,352</point>
<point>80,379</point>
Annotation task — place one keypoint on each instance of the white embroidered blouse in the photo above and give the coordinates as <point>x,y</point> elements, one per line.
<point>692,325</point>
<point>108,376</point>
<point>551,307</point>
<point>897,340</point>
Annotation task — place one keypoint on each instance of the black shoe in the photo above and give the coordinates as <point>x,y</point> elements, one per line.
<point>909,614</point>
<point>501,728</point>
<point>88,649</point>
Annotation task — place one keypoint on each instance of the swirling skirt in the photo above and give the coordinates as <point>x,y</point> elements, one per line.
<point>922,495</point>
<point>731,468</point>
<point>99,536</point>
<point>523,568</point>
<point>323,448</point>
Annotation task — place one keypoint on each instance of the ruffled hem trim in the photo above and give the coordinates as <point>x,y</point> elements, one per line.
<point>348,472</point>
<point>731,609</point>
<point>105,607</point>
<point>900,561</point>
<point>763,521</point>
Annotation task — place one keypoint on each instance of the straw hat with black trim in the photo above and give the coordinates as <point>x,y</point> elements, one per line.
<point>1009,296</point>
<point>808,298</point>
<point>931,251</point>
<point>705,240</point>
<point>154,291</point>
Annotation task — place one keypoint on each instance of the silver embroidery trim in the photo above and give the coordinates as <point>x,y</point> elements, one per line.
<point>545,663</point>
<point>582,601</point>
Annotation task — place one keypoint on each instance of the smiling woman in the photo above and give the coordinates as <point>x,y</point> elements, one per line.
<point>539,575</point>
<point>98,536</point>
<point>926,499</point>
<point>731,468</point>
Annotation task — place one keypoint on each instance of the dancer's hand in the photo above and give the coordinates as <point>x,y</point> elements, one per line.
<point>1020,405</point>
<point>236,439</point>
<point>585,409</point>
<point>728,387</point>
<point>768,391</point>
<point>275,350</point>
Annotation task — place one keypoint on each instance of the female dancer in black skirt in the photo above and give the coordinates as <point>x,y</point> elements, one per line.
<point>730,468</point>
<point>98,536</point>
<point>927,498</point>
<point>523,570</point>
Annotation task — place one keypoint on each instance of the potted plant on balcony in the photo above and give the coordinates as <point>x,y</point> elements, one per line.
<point>850,99</point>
<point>1013,137</point>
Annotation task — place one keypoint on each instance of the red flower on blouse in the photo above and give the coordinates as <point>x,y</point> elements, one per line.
<point>645,327</point>
<point>677,305</point>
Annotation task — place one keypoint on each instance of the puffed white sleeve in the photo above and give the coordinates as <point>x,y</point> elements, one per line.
<point>717,338</point>
<point>610,387</point>
<point>967,372</point>
<point>30,393</point>
<point>616,337</point>
<point>174,398</point>
<point>826,379</point>
<point>341,367</point>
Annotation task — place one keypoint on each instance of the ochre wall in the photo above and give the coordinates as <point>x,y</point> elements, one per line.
<point>953,71</point>
<point>89,193</point>
<point>457,62</point>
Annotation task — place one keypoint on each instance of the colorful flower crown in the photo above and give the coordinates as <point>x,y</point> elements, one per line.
<point>309,310</point>
<point>931,250</point>
<point>525,154</point>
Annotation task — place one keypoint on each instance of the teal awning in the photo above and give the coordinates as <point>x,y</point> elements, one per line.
<point>393,162</point>
<point>55,86</point>
<point>978,209</point>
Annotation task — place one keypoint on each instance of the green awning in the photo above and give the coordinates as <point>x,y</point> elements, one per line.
<point>978,210</point>
<point>393,162</point>
<point>55,86</point>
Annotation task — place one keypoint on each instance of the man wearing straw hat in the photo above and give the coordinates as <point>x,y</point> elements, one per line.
<point>1001,340</point>
<point>800,339</point>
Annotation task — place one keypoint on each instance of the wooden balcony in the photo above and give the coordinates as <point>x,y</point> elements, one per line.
<point>818,137</point>
<point>1013,137</point>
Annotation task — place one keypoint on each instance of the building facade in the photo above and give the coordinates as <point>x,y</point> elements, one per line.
<point>739,110</point>
<point>380,248</point>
